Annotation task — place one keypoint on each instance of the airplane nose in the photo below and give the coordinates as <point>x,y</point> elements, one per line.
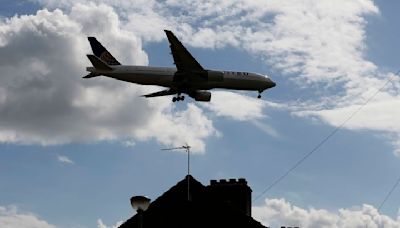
<point>271,83</point>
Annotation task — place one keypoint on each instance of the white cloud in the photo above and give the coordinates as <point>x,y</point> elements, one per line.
<point>319,44</point>
<point>324,42</point>
<point>100,224</point>
<point>10,217</point>
<point>43,99</point>
<point>266,128</point>
<point>129,143</point>
<point>242,108</point>
<point>236,106</point>
<point>279,212</point>
<point>65,159</point>
<point>376,115</point>
<point>320,39</point>
<point>180,127</point>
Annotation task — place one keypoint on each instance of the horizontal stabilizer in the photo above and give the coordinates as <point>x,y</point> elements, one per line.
<point>161,93</point>
<point>91,75</point>
<point>98,64</point>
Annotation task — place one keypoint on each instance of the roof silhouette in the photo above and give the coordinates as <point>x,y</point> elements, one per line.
<point>204,209</point>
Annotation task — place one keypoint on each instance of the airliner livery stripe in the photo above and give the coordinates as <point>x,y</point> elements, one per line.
<point>108,58</point>
<point>101,52</point>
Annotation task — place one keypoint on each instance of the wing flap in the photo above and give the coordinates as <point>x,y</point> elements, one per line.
<point>161,93</point>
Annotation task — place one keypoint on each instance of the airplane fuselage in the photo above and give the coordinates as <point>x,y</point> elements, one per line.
<point>167,77</point>
<point>188,77</point>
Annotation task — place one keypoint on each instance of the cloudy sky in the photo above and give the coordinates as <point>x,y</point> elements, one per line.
<point>73,151</point>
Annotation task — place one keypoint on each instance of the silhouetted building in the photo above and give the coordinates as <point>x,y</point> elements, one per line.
<point>224,203</point>
<point>234,193</point>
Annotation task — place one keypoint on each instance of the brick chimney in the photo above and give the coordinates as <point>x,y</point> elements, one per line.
<point>235,193</point>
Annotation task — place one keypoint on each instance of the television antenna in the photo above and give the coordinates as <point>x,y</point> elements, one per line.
<point>185,147</point>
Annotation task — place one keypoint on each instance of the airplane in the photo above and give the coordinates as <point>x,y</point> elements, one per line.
<point>188,77</point>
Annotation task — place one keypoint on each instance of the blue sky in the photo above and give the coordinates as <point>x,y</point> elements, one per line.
<point>357,166</point>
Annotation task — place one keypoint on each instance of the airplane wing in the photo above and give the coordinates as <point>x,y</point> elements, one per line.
<point>161,93</point>
<point>183,60</point>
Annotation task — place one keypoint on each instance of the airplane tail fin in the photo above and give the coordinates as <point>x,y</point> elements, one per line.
<point>101,52</point>
<point>98,63</point>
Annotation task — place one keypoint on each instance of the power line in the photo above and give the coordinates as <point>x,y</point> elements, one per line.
<point>388,195</point>
<point>333,132</point>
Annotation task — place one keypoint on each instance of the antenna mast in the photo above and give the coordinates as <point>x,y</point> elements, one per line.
<point>187,149</point>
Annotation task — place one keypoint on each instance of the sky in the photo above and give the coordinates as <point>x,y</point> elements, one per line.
<point>73,151</point>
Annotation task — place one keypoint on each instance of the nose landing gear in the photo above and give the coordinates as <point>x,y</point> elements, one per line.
<point>259,94</point>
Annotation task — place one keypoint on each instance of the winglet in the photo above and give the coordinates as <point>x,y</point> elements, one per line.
<point>98,64</point>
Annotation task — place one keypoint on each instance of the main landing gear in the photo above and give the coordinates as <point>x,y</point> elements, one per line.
<point>178,98</point>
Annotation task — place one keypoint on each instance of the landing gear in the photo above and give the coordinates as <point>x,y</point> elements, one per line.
<point>259,94</point>
<point>178,98</point>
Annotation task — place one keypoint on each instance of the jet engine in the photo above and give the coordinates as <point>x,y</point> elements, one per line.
<point>215,76</point>
<point>201,95</point>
